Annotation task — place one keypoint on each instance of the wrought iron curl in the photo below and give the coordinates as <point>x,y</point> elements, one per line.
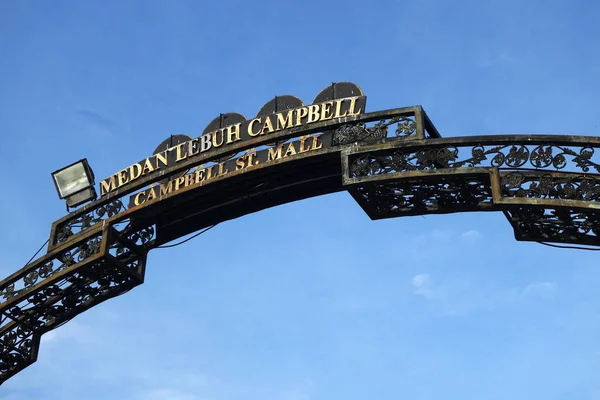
<point>88,219</point>
<point>543,185</point>
<point>360,133</point>
<point>45,270</point>
<point>513,156</point>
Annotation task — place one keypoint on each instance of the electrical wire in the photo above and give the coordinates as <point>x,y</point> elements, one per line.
<point>568,247</point>
<point>37,252</point>
<point>188,239</point>
<point>212,226</point>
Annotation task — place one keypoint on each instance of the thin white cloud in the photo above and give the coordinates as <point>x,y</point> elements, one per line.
<point>49,336</point>
<point>544,290</point>
<point>471,235</point>
<point>72,331</point>
<point>435,235</point>
<point>461,296</point>
<point>423,286</point>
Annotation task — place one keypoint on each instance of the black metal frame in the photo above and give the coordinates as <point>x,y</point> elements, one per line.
<point>542,184</point>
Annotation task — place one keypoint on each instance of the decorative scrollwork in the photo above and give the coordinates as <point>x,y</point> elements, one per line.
<point>44,270</point>
<point>88,219</point>
<point>523,184</point>
<point>347,134</point>
<point>144,236</point>
<point>118,249</point>
<point>360,133</point>
<point>53,290</point>
<point>503,156</point>
<point>406,126</point>
<point>53,304</point>
<point>394,199</point>
<point>557,224</point>
<point>16,346</point>
<point>141,237</point>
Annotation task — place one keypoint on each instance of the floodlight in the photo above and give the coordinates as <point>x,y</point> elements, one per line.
<point>75,183</point>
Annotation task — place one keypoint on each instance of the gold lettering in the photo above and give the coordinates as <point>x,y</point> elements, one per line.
<point>274,154</point>
<point>205,143</point>
<point>352,105</point>
<point>134,172</point>
<point>315,141</point>
<point>240,163</point>
<point>251,129</point>
<point>233,130</point>
<point>291,150</point>
<point>210,172</point>
<point>123,177</point>
<point>338,109</point>
<point>180,154</point>
<point>109,186</point>
<point>303,140</point>
<point>301,113</point>
<point>189,180</point>
<point>215,143</point>
<point>136,199</point>
<point>161,157</point>
<point>147,167</point>
<point>166,189</point>
<point>200,174</point>
<point>193,148</point>
<point>313,113</point>
<point>286,122</point>
<point>267,126</point>
<point>251,156</point>
<point>326,111</point>
<point>178,182</point>
<point>151,194</point>
<point>222,169</point>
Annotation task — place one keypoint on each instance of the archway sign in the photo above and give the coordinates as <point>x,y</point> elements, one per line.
<point>394,163</point>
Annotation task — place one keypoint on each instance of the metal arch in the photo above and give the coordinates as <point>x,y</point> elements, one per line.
<point>394,163</point>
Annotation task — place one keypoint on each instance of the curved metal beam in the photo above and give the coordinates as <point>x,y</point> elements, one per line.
<point>394,163</point>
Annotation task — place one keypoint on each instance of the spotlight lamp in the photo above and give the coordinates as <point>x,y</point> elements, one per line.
<point>75,183</point>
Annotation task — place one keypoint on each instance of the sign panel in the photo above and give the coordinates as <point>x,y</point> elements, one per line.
<point>260,127</point>
<point>203,174</point>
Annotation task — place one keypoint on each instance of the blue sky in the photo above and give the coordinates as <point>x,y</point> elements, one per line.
<point>317,302</point>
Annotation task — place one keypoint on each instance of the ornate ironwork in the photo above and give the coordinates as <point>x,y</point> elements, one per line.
<point>550,186</point>
<point>87,220</point>
<point>360,133</point>
<point>18,349</point>
<point>40,272</point>
<point>546,186</point>
<point>413,198</point>
<point>142,236</point>
<point>66,282</point>
<point>56,302</point>
<point>510,156</point>
<point>551,180</point>
<point>556,225</point>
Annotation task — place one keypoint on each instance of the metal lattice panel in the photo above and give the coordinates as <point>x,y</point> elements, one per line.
<point>425,196</point>
<point>560,224</point>
<point>100,265</point>
<point>434,154</point>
